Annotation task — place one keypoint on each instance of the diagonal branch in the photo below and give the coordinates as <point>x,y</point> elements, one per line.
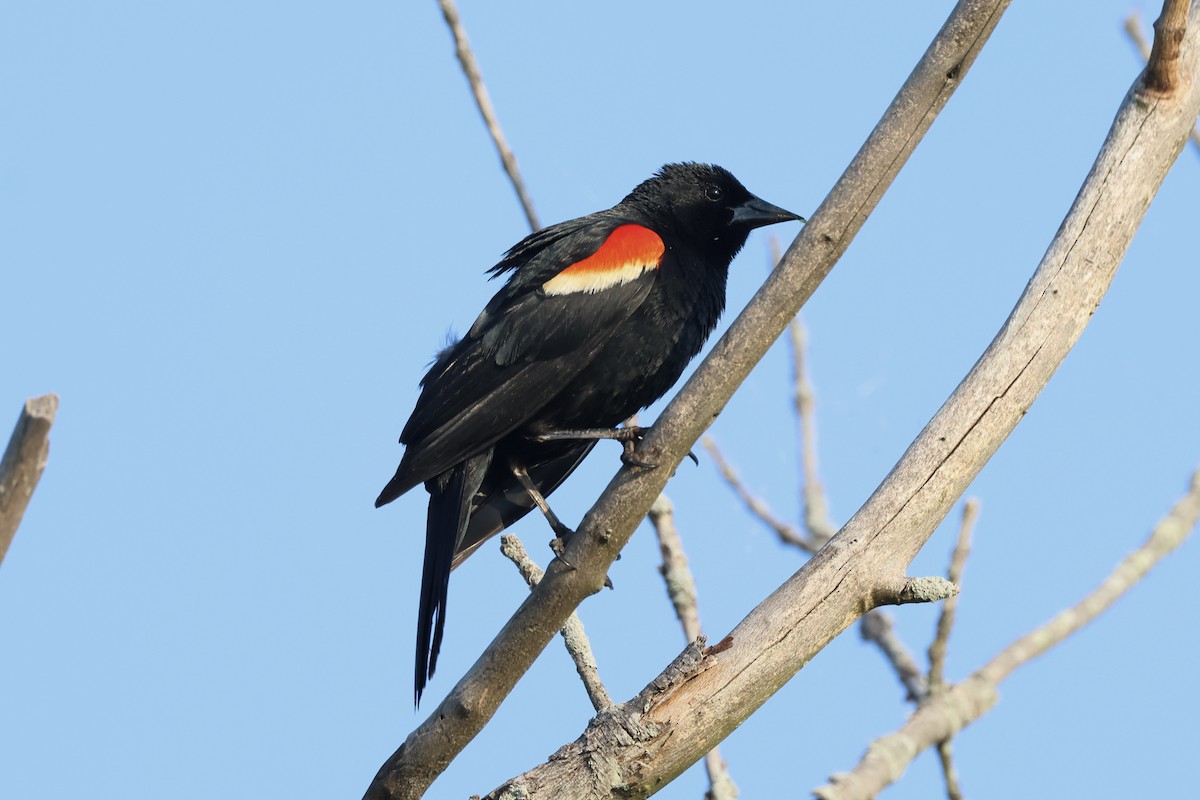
<point>470,68</point>
<point>877,627</point>
<point>757,507</point>
<point>23,462</point>
<point>960,705</point>
<point>624,503</point>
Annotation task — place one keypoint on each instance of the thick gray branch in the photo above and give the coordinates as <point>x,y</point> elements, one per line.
<point>23,462</point>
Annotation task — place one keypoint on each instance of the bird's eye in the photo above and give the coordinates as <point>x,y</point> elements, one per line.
<point>713,192</point>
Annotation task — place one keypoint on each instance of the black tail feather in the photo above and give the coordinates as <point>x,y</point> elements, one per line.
<point>449,509</point>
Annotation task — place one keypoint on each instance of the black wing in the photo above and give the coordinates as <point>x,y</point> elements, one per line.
<point>521,352</point>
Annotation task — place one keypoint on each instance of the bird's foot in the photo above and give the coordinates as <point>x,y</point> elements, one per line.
<point>629,439</point>
<point>559,545</point>
<point>562,534</point>
<point>629,444</point>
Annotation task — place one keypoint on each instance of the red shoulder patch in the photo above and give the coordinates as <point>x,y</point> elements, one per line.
<point>628,251</point>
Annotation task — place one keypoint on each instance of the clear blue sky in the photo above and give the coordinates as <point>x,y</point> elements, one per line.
<point>233,234</point>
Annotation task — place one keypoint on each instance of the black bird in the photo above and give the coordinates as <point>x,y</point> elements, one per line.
<point>598,319</point>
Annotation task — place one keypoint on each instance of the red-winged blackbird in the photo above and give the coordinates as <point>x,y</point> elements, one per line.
<point>598,319</point>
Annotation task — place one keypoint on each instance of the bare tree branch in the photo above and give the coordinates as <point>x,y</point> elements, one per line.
<point>958,706</point>
<point>470,68</point>
<point>1165,537</point>
<point>681,587</point>
<point>1133,27</point>
<point>941,639</point>
<point>946,756</point>
<point>876,627</point>
<point>757,507</point>
<point>817,524</point>
<point>574,637</point>
<point>23,462</point>
<point>816,507</point>
<point>958,560</point>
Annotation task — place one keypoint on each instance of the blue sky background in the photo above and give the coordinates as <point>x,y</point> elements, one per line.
<point>233,234</point>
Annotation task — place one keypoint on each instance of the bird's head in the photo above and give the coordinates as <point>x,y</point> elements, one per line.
<point>705,204</point>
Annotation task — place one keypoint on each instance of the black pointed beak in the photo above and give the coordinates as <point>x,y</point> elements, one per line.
<point>755,213</point>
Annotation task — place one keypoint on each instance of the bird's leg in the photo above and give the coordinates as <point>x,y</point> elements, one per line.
<point>561,532</point>
<point>628,436</point>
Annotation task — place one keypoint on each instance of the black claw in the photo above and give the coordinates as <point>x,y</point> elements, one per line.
<point>633,461</point>
<point>559,545</point>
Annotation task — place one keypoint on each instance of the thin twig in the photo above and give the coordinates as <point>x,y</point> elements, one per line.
<point>1133,27</point>
<point>946,756</point>
<point>23,462</point>
<point>816,505</point>
<point>958,706</point>
<point>958,560</point>
<point>574,638</point>
<point>876,626</point>
<point>681,587</point>
<point>817,524</point>
<point>470,68</point>
<point>720,784</point>
<point>937,648</point>
<point>1166,536</point>
<point>788,534</point>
